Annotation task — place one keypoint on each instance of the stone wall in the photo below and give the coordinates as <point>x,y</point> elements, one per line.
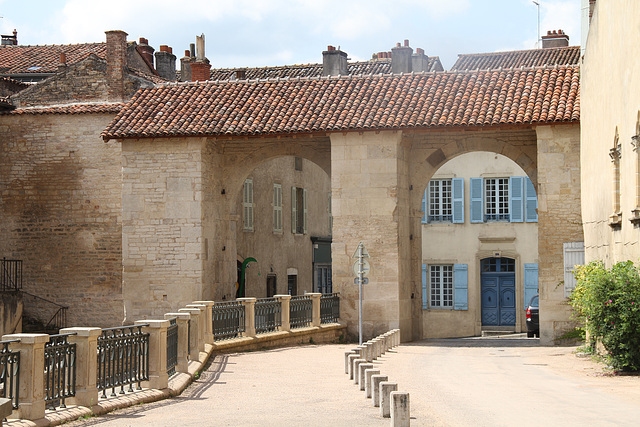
<point>559,221</point>
<point>60,187</point>
<point>163,246</point>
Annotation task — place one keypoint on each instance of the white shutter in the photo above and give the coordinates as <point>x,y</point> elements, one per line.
<point>573,255</point>
<point>277,208</point>
<point>304,208</point>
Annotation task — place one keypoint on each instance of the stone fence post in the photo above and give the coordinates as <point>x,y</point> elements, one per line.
<point>201,323</point>
<point>157,330</point>
<point>315,316</point>
<point>86,341</point>
<point>195,319</point>
<point>31,385</point>
<point>208,320</point>
<point>249,316</point>
<point>182,319</point>
<point>285,303</point>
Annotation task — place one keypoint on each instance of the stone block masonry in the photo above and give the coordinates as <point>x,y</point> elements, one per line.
<point>60,187</point>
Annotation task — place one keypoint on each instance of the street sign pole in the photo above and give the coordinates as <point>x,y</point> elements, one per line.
<point>360,280</point>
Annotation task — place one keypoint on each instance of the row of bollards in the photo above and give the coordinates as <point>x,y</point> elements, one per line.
<point>384,394</point>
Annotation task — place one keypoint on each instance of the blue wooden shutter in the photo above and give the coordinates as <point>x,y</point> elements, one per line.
<point>476,200</point>
<point>515,205</point>
<point>531,201</point>
<point>424,206</point>
<point>425,286</point>
<point>458,200</point>
<point>460,293</point>
<point>530,282</point>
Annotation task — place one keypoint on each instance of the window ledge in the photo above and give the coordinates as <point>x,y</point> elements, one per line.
<point>615,221</point>
<point>635,216</point>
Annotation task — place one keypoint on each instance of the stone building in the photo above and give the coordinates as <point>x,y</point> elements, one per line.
<point>610,133</point>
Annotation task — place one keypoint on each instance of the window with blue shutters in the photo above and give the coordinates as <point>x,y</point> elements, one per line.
<point>458,200</point>
<point>440,203</point>
<point>530,201</point>
<point>496,199</point>
<point>445,286</point>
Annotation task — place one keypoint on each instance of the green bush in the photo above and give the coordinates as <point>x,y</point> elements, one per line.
<point>608,301</point>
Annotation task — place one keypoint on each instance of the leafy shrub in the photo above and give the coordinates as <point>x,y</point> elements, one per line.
<point>608,301</point>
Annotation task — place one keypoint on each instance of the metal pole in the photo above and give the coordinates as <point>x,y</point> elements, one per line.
<point>360,280</point>
<point>538,44</point>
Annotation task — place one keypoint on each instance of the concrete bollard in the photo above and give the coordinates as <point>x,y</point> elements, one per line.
<point>361,377</point>
<point>356,369</point>
<point>386,388</point>
<point>375,388</point>
<point>351,358</point>
<point>346,361</point>
<point>400,416</point>
<point>367,381</point>
<point>369,351</point>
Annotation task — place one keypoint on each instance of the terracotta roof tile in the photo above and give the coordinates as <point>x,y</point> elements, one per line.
<point>69,109</point>
<point>519,58</point>
<point>378,66</point>
<point>391,101</point>
<point>45,58</point>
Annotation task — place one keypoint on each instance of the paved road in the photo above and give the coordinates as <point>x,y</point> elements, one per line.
<point>469,382</point>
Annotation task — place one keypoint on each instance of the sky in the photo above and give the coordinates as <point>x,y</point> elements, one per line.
<point>255,33</point>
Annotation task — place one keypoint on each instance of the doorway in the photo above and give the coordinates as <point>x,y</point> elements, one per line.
<point>498,291</point>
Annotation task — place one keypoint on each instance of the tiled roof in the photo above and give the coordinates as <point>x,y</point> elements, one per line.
<point>392,101</point>
<point>44,59</point>
<point>69,109</point>
<point>14,82</point>
<point>151,77</point>
<point>519,58</point>
<point>5,103</point>
<point>378,66</point>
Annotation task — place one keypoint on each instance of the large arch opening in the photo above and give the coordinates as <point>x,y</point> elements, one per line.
<point>476,206</point>
<point>281,217</point>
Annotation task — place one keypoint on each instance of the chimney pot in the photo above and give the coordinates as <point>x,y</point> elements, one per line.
<point>420,51</point>
<point>398,44</point>
<point>63,58</point>
<point>187,53</point>
<point>192,49</point>
<point>555,39</point>
<point>406,43</point>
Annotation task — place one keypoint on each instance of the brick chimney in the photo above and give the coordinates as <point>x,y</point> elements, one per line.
<point>334,62</point>
<point>166,63</point>
<point>555,39</point>
<point>116,62</point>
<point>62,65</point>
<point>419,61</point>
<point>241,74</point>
<point>401,58</point>
<point>146,51</point>
<point>10,40</point>
<point>200,71</point>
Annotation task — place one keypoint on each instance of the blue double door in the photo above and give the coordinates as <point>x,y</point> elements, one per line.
<point>498,292</point>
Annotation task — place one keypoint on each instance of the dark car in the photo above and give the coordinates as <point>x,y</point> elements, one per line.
<point>533,326</point>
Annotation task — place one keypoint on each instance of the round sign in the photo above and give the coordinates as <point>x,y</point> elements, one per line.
<point>365,267</point>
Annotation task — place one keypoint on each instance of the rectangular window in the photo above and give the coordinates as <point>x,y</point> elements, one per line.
<point>247,205</point>
<point>440,207</point>
<point>277,208</point>
<point>298,210</point>
<point>441,286</point>
<point>496,196</point>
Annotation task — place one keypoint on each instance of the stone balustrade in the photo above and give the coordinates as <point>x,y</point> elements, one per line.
<point>195,343</point>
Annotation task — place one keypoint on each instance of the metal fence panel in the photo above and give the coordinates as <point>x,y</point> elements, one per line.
<point>300,311</point>
<point>172,346</point>
<point>268,315</point>
<point>59,370</point>
<point>330,308</point>
<point>10,274</point>
<point>228,320</point>
<point>9,373</point>
<point>123,358</point>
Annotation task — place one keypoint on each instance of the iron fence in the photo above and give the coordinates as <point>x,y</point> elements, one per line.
<point>300,311</point>
<point>268,312</point>
<point>228,320</point>
<point>9,373</point>
<point>123,358</point>
<point>59,370</point>
<point>330,308</point>
<point>172,346</point>
<point>10,274</point>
